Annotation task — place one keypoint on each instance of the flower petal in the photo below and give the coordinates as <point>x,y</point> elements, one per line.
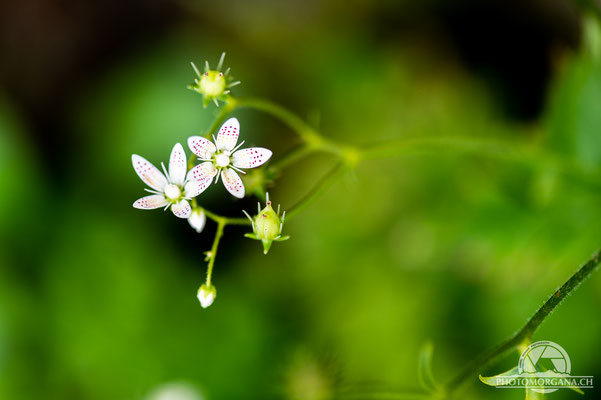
<point>181,209</point>
<point>251,157</point>
<point>203,148</point>
<point>149,174</point>
<point>197,220</point>
<point>228,135</point>
<point>202,172</point>
<point>194,188</point>
<point>151,202</point>
<point>232,182</point>
<point>178,165</point>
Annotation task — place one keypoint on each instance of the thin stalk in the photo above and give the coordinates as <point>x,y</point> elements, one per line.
<point>218,235</point>
<point>526,332</point>
<point>289,158</point>
<point>225,220</point>
<point>317,190</point>
<point>299,126</point>
<point>491,148</point>
<point>230,105</point>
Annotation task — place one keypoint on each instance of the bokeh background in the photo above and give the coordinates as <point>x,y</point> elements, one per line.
<point>97,299</point>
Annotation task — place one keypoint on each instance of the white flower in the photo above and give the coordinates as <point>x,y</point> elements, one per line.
<point>206,295</point>
<point>223,159</point>
<point>197,219</point>
<point>171,189</point>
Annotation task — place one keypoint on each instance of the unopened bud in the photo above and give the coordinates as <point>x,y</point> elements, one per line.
<point>206,295</point>
<point>267,226</point>
<point>267,223</point>
<point>197,219</point>
<point>213,84</point>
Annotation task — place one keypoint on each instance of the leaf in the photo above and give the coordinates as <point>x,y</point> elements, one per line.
<point>424,370</point>
<point>493,380</point>
<point>573,117</point>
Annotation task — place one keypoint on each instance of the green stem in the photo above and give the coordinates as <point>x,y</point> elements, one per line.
<point>491,148</point>
<point>525,334</point>
<point>304,130</point>
<point>218,234</point>
<point>225,220</point>
<point>352,155</point>
<point>226,110</point>
<point>289,158</point>
<point>317,190</point>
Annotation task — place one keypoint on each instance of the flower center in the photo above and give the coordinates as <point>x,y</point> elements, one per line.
<point>172,192</point>
<point>222,160</point>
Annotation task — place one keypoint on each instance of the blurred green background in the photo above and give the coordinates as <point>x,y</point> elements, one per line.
<point>97,299</point>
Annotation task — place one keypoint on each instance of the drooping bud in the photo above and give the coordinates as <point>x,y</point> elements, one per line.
<point>267,226</point>
<point>213,84</point>
<point>206,295</point>
<point>197,219</point>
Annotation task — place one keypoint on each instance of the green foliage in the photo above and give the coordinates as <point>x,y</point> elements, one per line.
<point>97,301</point>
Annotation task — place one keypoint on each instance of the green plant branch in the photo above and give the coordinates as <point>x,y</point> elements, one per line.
<point>289,158</point>
<point>229,106</point>
<point>316,191</point>
<point>212,254</point>
<point>351,155</point>
<point>492,148</point>
<point>298,125</point>
<point>526,332</point>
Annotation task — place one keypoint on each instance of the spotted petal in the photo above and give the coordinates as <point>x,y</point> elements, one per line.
<point>181,209</point>
<point>232,182</point>
<point>194,188</point>
<point>151,202</point>
<point>178,165</point>
<point>202,172</point>
<point>251,157</point>
<point>228,135</point>
<point>203,148</point>
<point>149,174</point>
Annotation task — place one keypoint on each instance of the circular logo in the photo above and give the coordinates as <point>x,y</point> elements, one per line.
<point>542,360</point>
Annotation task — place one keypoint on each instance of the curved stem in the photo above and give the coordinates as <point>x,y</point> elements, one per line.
<point>525,334</point>
<point>292,156</point>
<point>225,220</point>
<point>352,155</point>
<point>226,110</point>
<point>213,254</point>
<point>317,190</point>
<point>491,148</point>
<point>304,130</point>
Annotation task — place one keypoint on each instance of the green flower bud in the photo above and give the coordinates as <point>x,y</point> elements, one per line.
<point>213,84</point>
<point>267,223</point>
<point>267,226</point>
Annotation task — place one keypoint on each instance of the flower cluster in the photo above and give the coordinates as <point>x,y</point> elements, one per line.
<point>175,188</point>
